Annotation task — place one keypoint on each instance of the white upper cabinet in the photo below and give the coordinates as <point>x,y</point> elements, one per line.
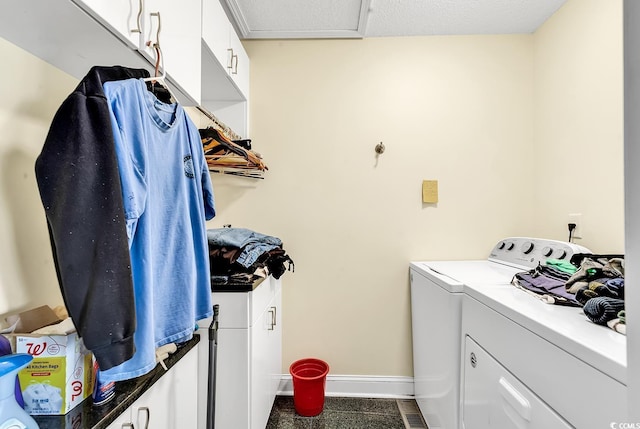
<point>215,31</point>
<point>225,69</point>
<point>205,61</point>
<point>173,26</point>
<point>224,56</point>
<point>238,65</point>
<point>122,17</point>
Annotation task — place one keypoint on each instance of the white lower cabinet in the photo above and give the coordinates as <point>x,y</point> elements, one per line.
<point>494,399</point>
<point>249,357</point>
<point>266,360</point>
<point>170,403</point>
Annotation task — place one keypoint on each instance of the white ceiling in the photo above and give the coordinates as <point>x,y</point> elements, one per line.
<point>281,19</point>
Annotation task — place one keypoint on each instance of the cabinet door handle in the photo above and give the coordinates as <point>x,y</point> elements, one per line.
<point>234,69</point>
<point>272,311</point>
<point>157,32</point>
<point>148,412</point>
<point>230,64</point>
<point>138,23</point>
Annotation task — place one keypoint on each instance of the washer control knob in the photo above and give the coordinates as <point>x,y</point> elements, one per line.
<point>562,254</point>
<point>547,251</point>
<point>501,245</point>
<point>510,246</point>
<point>527,247</point>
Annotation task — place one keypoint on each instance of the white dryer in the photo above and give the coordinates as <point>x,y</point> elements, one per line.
<point>437,290</point>
<point>528,364</point>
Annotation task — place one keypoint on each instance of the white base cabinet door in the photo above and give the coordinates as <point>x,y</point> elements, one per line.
<point>172,401</point>
<point>266,360</point>
<point>249,357</point>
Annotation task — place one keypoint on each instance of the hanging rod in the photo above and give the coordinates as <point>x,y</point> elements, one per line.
<point>219,125</point>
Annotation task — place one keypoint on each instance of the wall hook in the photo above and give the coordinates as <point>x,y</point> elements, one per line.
<point>380,148</point>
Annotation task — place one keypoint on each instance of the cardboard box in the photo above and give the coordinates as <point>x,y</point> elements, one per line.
<point>59,378</point>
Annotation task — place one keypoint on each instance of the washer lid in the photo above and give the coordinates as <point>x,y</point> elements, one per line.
<point>453,275</point>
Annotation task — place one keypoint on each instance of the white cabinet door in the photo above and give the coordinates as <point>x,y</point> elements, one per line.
<point>172,402</point>
<point>182,400</point>
<point>179,36</point>
<point>215,31</point>
<point>122,17</point>
<point>275,343</point>
<point>249,361</point>
<point>232,404</point>
<point>266,357</point>
<point>225,69</point>
<point>261,367</point>
<point>221,40</point>
<point>238,64</point>
<point>175,25</point>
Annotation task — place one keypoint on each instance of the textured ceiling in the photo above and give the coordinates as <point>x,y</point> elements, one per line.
<point>276,19</point>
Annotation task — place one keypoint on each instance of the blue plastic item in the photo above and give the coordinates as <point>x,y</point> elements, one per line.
<point>5,349</point>
<point>13,415</point>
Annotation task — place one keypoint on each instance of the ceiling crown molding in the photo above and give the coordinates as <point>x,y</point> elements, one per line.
<point>237,18</point>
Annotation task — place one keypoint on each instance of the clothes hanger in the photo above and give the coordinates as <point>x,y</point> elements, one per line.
<point>158,84</point>
<point>226,152</point>
<point>214,139</point>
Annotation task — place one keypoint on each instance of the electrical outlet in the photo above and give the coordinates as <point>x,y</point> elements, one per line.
<point>577,219</point>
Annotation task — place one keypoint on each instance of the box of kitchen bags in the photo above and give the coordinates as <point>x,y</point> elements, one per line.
<point>59,377</point>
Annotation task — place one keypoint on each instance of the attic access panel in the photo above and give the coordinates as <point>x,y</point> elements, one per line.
<point>279,19</point>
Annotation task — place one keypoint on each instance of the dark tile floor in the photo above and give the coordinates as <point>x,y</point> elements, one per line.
<point>338,413</point>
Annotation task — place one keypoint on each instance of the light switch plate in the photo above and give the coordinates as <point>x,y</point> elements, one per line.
<point>430,191</point>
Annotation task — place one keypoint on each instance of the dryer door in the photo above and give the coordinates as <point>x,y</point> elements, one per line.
<point>492,398</point>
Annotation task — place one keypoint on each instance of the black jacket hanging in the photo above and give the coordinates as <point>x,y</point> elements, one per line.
<point>77,174</point>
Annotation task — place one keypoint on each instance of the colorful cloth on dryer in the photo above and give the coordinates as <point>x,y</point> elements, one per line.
<point>562,265</point>
<point>612,288</point>
<point>547,283</point>
<point>593,268</point>
<point>601,309</point>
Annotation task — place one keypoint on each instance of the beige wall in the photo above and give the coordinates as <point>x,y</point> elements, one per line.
<point>454,109</point>
<point>31,92</point>
<point>579,123</point>
<point>467,111</point>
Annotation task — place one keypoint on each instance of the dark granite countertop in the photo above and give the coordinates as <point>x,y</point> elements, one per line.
<point>88,416</point>
<point>235,286</point>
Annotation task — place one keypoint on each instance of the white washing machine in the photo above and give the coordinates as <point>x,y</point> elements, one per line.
<point>437,290</point>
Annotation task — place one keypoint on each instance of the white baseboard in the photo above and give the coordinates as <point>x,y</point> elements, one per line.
<point>359,386</point>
